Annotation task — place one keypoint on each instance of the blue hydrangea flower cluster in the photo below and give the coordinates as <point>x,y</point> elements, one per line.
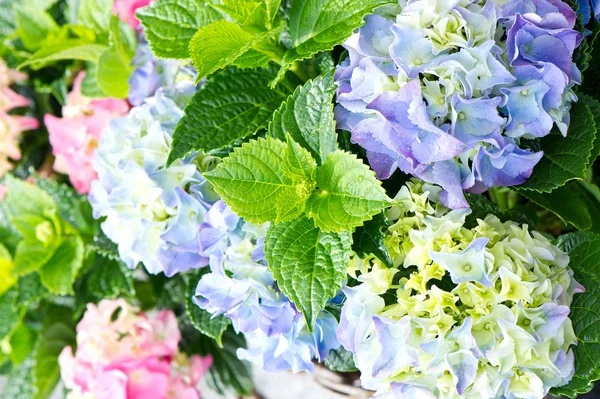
<point>446,90</point>
<point>153,212</point>
<point>463,313</point>
<point>241,287</point>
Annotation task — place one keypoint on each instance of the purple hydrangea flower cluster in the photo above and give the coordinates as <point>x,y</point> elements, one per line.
<point>446,90</point>
<point>241,287</point>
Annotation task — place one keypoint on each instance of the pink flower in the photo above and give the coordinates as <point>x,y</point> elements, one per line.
<point>74,137</point>
<point>125,354</point>
<point>126,9</point>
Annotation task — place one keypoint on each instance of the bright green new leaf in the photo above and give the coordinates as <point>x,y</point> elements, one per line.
<point>348,194</point>
<point>219,44</point>
<point>7,277</point>
<point>114,65</point>
<point>584,253</point>
<point>232,104</point>
<point>33,25</point>
<point>60,271</point>
<point>31,255</point>
<point>21,343</point>
<point>253,15</point>
<point>319,25</point>
<point>251,178</point>
<point>298,164</point>
<point>565,158</point>
<point>170,25</point>
<point>308,116</point>
<point>308,264</point>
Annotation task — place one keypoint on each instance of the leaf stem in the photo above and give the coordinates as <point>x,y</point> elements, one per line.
<point>297,69</point>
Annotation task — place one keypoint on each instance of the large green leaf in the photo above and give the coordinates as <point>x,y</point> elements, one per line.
<point>24,199</point>
<point>232,104</point>
<point>219,44</point>
<point>60,271</point>
<point>109,278</point>
<point>319,25</point>
<point>308,116</point>
<point>308,264</point>
<point>348,194</point>
<point>33,25</point>
<point>253,15</point>
<point>170,25</point>
<point>565,158</point>
<point>252,178</point>
<point>584,253</point>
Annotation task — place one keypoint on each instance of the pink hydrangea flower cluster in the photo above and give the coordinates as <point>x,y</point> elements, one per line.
<point>11,126</point>
<point>74,137</point>
<point>124,354</point>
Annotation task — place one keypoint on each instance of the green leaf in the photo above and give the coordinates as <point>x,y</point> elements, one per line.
<point>340,360</point>
<point>253,59</point>
<point>251,178</point>
<point>30,290</point>
<point>298,164</point>
<point>102,245</point>
<point>7,277</point>
<point>25,199</point>
<point>203,321</point>
<point>308,116</point>
<point>594,107</point>
<point>72,206</point>
<point>348,194</point>
<point>21,342</point>
<point>109,278</point>
<point>565,203</point>
<point>10,318</point>
<point>170,25</point>
<point>319,25</point>
<point>31,255</point>
<point>231,105</point>
<point>95,14</point>
<point>584,253</point>
<point>7,18</point>
<point>89,86</point>
<point>308,264</point>
<point>219,44</point>
<point>9,235</point>
<point>33,25</point>
<point>565,158</point>
<point>114,65</point>
<point>253,15</point>
<point>369,239</point>
<point>57,333</point>
<point>60,271</point>
<point>69,49</point>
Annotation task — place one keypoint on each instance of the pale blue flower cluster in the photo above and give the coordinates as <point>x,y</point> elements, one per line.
<point>241,287</point>
<point>153,212</point>
<point>464,313</point>
<point>446,90</point>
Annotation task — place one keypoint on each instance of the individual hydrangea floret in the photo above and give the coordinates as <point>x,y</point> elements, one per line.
<point>446,91</point>
<point>153,212</point>
<point>124,354</point>
<point>463,313</point>
<point>241,287</point>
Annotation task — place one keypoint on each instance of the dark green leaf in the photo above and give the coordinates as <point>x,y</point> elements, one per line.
<point>481,207</point>
<point>368,239</point>
<point>232,104</point>
<point>340,360</point>
<point>109,278</point>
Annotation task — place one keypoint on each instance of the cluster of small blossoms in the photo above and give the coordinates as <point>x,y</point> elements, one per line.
<point>11,126</point>
<point>463,313</point>
<point>153,212</point>
<point>241,287</point>
<point>124,354</point>
<point>74,137</point>
<point>446,90</point>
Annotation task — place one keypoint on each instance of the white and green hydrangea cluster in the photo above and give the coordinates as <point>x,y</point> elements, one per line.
<point>464,312</point>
